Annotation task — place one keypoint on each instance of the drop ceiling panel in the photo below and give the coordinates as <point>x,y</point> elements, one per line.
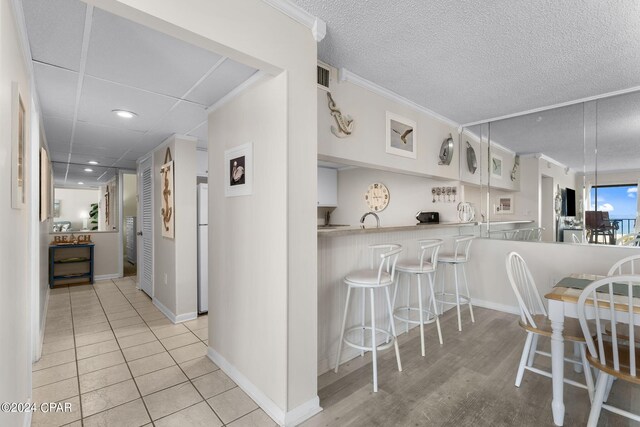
<point>201,131</point>
<point>55,31</point>
<point>182,119</point>
<point>150,141</point>
<point>223,80</point>
<point>99,151</point>
<point>86,158</point>
<point>58,133</point>
<point>90,135</point>
<point>129,53</point>
<point>58,156</point>
<point>126,164</point>
<point>56,90</point>
<point>99,98</point>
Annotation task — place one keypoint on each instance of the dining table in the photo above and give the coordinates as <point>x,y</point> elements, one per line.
<point>563,302</point>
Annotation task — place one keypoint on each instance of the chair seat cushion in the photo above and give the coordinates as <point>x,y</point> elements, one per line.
<point>572,330</point>
<point>447,257</point>
<point>623,354</point>
<point>414,267</point>
<point>368,277</point>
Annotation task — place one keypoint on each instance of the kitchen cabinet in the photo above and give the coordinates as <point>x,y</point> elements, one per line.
<point>327,187</point>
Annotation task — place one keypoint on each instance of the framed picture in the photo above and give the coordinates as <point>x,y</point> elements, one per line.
<point>238,171</point>
<point>505,205</point>
<point>495,166</point>
<point>18,147</point>
<point>45,185</point>
<point>401,136</point>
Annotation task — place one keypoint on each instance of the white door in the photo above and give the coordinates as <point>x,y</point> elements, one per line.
<point>145,227</point>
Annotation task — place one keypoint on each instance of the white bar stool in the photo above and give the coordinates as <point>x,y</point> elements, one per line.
<point>426,264</point>
<point>373,278</point>
<point>457,259</point>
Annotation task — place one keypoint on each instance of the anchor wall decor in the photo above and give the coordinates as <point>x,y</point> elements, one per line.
<point>345,123</point>
<point>167,211</point>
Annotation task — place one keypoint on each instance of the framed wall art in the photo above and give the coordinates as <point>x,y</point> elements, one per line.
<point>238,171</point>
<point>401,136</point>
<point>505,205</point>
<point>495,166</point>
<point>45,185</point>
<point>167,212</point>
<point>18,147</point>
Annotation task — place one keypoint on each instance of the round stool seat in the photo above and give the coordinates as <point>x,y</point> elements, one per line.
<point>366,278</point>
<point>414,267</point>
<point>451,258</point>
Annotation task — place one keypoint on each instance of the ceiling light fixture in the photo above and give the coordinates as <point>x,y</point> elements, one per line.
<point>88,170</point>
<point>93,162</point>
<point>80,183</point>
<point>124,114</point>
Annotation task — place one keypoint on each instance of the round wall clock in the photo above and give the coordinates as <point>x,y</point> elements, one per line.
<point>446,151</point>
<point>377,197</point>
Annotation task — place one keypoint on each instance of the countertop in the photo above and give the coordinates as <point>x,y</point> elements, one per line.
<point>344,231</point>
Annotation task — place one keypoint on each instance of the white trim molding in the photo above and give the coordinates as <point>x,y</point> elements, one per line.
<point>43,325</point>
<point>546,158</point>
<point>495,306</point>
<point>287,419</point>
<point>317,26</point>
<point>107,277</point>
<point>255,78</point>
<point>345,75</point>
<point>175,319</point>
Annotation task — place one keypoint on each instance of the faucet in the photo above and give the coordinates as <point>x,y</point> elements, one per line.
<point>366,215</point>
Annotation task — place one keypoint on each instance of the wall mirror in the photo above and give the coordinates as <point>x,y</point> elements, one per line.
<point>85,198</point>
<point>567,175</point>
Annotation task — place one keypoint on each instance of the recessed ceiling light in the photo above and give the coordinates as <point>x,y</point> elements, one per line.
<point>88,170</point>
<point>124,114</point>
<point>81,183</point>
<point>92,162</point>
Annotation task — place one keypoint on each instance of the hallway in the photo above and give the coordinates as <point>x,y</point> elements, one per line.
<point>119,361</point>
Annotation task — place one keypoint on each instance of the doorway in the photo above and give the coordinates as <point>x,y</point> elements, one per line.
<point>547,212</point>
<point>129,224</point>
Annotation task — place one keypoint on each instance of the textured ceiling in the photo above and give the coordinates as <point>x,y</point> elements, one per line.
<point>471,61</point>
<point>88,62</point>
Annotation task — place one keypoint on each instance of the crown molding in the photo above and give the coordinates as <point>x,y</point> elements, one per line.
<point>317,26</point>
<point>541,156</point>
<point>345,75</point>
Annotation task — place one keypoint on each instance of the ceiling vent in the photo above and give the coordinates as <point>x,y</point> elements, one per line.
<point>323,77</point>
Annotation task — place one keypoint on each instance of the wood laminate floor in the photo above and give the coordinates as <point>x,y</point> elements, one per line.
<point>469,381</point>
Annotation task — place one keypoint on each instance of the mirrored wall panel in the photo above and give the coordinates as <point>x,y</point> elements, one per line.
<point>85,198</point>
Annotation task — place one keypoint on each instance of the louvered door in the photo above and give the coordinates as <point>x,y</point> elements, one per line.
<point>145,269</point>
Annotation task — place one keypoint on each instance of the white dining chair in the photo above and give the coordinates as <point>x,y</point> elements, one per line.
<point>575,238</point>
<point>628,265</point>
<point>610,353</point>
<point>534,320</point>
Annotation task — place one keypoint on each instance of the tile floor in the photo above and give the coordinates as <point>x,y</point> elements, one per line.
<point>111,354</point>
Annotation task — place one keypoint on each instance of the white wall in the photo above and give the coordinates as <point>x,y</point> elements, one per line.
<point>175,260</point>
<point>105,254</point>
<point>548,262</point>
<point>408,195</point>
<point>244,31</point>
<point>366,145</point>
<point>247,253</point>
<point>15,292</point>
<point>73,203</point>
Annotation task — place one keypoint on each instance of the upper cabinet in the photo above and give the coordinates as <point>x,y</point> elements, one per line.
<point>327,187</point>
<point>202,162</point>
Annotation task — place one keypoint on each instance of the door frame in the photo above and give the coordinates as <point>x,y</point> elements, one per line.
<point>140,252</point>
<point>121,230</point>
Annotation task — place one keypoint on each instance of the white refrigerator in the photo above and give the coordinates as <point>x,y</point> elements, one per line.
<point>203,249</point>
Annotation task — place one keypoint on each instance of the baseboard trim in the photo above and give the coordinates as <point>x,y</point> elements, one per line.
<point>27,418</point>
<point>495,306</point>
<point>107,276</point>
<point>164,310</point>
<point>186,317</point>
<point>287,419</point>
<point>43,324</point>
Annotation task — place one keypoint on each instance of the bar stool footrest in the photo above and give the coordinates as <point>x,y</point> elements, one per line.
<point>385,345</point>
<point>442,298</point>
<point>429,318</point>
